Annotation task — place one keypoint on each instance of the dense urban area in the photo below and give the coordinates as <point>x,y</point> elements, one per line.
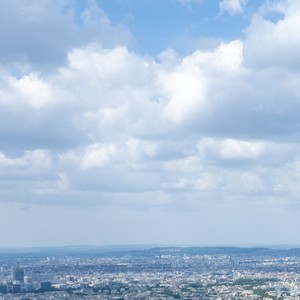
<point>157,273</point>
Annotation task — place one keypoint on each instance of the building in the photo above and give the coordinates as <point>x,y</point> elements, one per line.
<point>46,286</point>
<point>16,288</point>
<point>3,288</point>
<point>17,274</point>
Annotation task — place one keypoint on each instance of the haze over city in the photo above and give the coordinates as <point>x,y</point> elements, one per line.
<point>167,122</point>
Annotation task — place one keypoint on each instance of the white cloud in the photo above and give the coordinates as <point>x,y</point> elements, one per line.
<point>249,151</point>
<point>232,6</point>
<point>187,86</point>
<point>184,165</point>
<point>278,41</point>
<point>140,148</point>
<point>111,127</point>
<point>97,156</point>
<point>232,149</point>
<point>186,90</point>
<point>208,182</point>
<point>130,115</point>
<point>36,92</point>
<point>124,116</point>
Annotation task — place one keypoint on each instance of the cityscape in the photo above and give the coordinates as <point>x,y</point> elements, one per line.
<point>155,273</point>
<point>167,130</point>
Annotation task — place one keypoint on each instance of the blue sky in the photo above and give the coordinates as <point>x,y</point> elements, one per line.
<point>149,122</point>
<point>158,25</point>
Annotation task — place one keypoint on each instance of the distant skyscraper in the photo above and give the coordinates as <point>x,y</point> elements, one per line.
<point>17,274</point>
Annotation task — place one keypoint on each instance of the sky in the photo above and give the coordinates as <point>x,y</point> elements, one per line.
<point>166,122</point>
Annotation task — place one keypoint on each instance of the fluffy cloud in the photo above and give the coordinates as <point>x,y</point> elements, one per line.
<point>31,89</point>
<point>278,40</point>
<point>187,85</point>
<point>118,127</point>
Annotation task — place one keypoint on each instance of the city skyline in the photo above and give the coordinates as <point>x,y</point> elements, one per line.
<point>132,122</point>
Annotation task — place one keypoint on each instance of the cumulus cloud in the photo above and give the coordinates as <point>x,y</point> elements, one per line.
<point>187,85</point>
<point>32,89</point>
<point>113,124</point>
<point>278,40</point>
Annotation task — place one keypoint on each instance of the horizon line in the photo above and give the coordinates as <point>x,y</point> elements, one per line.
<point>150,246</point>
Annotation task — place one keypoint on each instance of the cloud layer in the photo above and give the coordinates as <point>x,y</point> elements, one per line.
<point>87,122</point>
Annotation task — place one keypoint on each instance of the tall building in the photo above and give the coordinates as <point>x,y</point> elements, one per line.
<point>3,288</point>
<point>45,286</point>
<point>17,274</point>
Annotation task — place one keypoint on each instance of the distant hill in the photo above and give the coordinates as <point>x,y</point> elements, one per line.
<point>148,250</point>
